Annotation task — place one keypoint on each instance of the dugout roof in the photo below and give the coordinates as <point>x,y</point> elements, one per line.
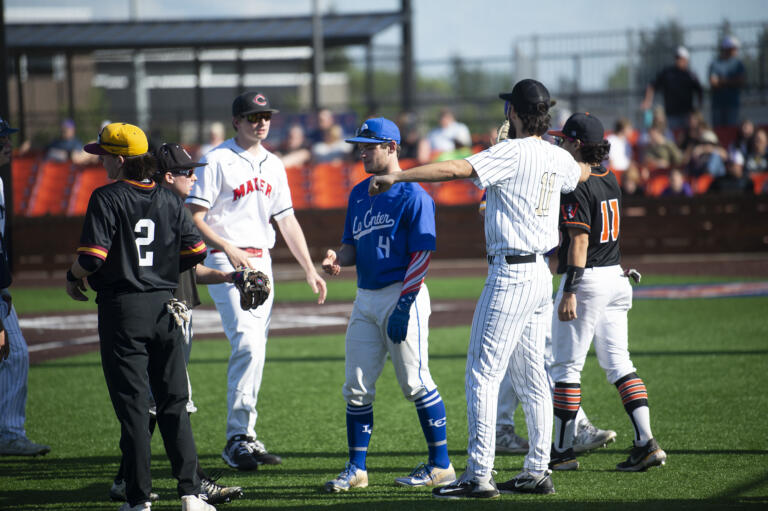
<point>338,30</point>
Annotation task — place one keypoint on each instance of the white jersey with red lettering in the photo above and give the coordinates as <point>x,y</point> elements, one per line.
<point>523,179</point>
<point>242,192</point>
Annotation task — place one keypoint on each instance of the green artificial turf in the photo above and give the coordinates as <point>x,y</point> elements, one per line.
<point>704,363</point>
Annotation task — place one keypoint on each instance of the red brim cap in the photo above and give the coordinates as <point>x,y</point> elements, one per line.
<point>95,148</point>
<point>556,133</point>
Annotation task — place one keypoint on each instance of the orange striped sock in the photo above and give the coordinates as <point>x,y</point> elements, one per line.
<point>566,399</point>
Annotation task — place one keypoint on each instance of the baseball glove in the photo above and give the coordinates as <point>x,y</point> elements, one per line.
<point>253,285</point>
<point>503,132</point>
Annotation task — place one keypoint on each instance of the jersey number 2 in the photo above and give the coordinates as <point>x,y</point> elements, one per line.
<point>145,228</point>
<point>610,220</point>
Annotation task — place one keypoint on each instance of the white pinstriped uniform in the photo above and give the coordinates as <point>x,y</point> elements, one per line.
<point>242,193</point>
<point>14,370</point>
<point>523,179</point>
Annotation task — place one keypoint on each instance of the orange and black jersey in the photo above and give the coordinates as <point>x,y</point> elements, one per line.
<point>593,206</point>
<point>137,236</point>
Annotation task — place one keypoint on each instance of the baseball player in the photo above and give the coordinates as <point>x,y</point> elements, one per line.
<point>136,238</point>
<point>523,177</point>
<point>586,436</point>
<point>176,173</point>
<point>14,358</point>
<point>241,188</point>
<point>593,300</point>
<point>389,238</point>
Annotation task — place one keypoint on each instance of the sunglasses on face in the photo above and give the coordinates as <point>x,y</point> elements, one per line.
<point>258,117</point>
<point>183,172</point>
<point>370,134</point>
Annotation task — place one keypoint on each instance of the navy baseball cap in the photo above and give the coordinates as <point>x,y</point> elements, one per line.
<point>528,96</point>
<point>5,128</point>
<point>376,131</point>
<point>251,103</point>
<point>584,127</point>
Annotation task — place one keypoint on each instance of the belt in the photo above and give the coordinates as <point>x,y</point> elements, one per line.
<point>516,259</point>
<point>255,252</point>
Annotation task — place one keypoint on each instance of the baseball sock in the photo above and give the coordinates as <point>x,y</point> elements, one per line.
<point>566,400</point>
<point>431,412</point>
<point>359,430</point>
<point>634,396</point>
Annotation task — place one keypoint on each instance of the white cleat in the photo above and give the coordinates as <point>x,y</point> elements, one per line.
<point>589,437</point>
<point>427,475</point>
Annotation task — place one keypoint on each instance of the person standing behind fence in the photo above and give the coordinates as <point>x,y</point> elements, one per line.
<point>136,238</point>
<point>727,76</point>
<point>681,89</point>
<point>14,357</point>
<point>239,191</point>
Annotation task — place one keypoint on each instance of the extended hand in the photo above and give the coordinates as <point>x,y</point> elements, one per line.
<point>318,286</point>
<point>330,265</point>
<point>380,184</point>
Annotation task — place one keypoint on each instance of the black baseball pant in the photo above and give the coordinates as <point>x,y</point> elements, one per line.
<point>140,340</point>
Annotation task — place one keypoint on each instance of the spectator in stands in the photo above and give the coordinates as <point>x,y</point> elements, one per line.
<point>332,148</point>
<point>707,157</point>
<point>661,152</point>
<point>620,155</point>
<point>324,122</point>
<point>727,75</point>
<point>733,182</point>
<point>681,89</point>
<point>216,135</point>
<point>743,137</point>
<point>413,144</point>
<point>631,183</point>
<point>449,134</point>
<point>688,138</point>
<point>67,147</point>
<point>678,186</point>
<point>294,150</point>
<point>757,154</point>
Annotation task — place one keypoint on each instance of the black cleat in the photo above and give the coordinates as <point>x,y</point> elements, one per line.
<point>564,460</point>
<point>643,457</point>
<point>528,482</point>
<point>463,488</point>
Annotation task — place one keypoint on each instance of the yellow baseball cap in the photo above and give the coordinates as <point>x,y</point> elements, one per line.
<point>119,138</point>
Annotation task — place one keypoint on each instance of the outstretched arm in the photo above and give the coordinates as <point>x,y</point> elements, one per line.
<point>297,244</point>
<point>431,172</point>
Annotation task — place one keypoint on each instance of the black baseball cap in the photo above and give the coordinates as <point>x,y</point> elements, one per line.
<point>251,103</point>
<point>528,96</point>
<point>172,156</point>
<point>583,126</point>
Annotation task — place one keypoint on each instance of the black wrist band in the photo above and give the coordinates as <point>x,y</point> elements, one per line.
<point>573,276</point>
<point>71,277</point>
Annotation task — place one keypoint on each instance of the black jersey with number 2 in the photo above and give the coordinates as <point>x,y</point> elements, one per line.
<point>594,206</point>
<point>143,236</point>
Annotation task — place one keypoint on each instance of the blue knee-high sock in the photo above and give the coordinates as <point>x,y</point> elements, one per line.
<point>359,430</point>
<point>431,412</point>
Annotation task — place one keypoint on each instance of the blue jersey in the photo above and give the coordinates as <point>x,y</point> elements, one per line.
<point>386,229</point>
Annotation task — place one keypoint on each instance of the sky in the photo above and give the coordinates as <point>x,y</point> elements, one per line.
<point>442,28</point>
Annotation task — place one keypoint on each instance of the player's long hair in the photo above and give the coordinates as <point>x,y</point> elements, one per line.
<point>537,123</point>
<point>139,167</point>
<point>595,153</point>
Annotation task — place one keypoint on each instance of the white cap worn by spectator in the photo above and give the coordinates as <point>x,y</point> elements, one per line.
<point>729,42</point>
<point>682,53</point>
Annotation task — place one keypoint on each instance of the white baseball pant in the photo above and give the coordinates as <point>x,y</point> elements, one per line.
<point>367,346</point>
<point>247,333</point>
<point>13,377</point>
<point>602,300</point>
<point>509,329</point>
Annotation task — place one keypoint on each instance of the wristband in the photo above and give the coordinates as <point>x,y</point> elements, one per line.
<point>71,277</point>
<point>573,276</point>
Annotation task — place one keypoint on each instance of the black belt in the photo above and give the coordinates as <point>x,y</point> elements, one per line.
<point>516,259</point>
